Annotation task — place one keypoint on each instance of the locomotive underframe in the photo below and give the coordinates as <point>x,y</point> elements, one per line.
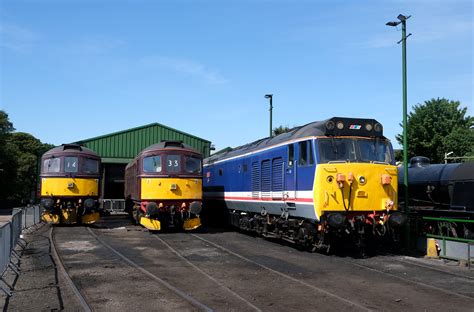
<point>361,229</point>
<point>176,214</point>
<point>70,210</point>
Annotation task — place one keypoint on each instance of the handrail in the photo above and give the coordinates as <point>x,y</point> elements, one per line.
<point>448,219</point>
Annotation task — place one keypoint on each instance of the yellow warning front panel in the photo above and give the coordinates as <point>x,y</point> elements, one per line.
<point>151,224</point>
<point>69,187</point>
<point>68,216</point>
<point>50,218</point>
<point>171,188</point>
<point>191,224</point>
<point>90,218</point>
<point>367,194</point>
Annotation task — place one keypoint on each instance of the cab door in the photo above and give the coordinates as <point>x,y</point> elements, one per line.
<point>290,173</point>
<point>304,168</point>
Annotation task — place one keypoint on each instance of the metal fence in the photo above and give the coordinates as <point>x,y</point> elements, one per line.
<point>113,205</point>
<point>10,236</point>
<point>454,237</point>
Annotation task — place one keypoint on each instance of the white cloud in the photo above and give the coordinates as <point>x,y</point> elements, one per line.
<point>17,38</point>
<point>185,66</point>
<point>94,46</point>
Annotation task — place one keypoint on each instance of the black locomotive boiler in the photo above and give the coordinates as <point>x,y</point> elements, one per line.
<point>441,190</point>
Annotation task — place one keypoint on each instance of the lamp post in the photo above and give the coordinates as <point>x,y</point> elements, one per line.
<point>270,97</point>
<point>402,20</point>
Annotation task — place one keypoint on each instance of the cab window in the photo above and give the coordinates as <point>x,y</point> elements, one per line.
<point>152,164</point>
<point>291,155</point>
<point>51,165</point>
<point>70,164</point>
<point>173,163</point>
<point>192,164</point>
<point>303,153</point>
<point>90,165</point>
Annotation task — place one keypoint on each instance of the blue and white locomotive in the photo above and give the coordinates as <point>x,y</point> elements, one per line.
<point>326,179</point>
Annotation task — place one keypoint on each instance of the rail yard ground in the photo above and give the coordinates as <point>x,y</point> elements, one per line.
<point>118,266</point>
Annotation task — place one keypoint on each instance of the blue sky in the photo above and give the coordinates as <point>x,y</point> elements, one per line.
<point>72,70</point>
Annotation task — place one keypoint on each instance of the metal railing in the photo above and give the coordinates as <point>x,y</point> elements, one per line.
<point>113,205</point>
<point>453,236</point>
<point>11,236</point>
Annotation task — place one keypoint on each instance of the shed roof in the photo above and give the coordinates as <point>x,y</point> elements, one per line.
<point>123,146</point>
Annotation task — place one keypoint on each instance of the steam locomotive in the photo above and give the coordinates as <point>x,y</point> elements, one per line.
<point>440,189</point>
<point>70,185</point>
<point>320,182</point>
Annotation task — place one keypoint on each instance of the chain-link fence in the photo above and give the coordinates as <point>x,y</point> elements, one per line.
<point>10,236</point>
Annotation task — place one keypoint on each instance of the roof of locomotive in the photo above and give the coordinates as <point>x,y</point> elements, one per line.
<point>163,145</point>
<point>317,128</point>
<point>70,149</point>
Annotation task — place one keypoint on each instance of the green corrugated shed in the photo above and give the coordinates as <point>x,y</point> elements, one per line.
<point>121,147</point>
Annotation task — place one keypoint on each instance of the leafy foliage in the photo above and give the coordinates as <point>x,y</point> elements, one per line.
<point>280,129</point>
<point>439,126</point>
<point>19,162</point>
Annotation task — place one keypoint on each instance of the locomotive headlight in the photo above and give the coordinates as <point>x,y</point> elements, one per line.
<point>330,125</point>
<point>368,127</point>
<point>340,125</point>
<point>152,209</point>
<point>47,203</point>
<point>378,127</point>
<point>89,203</point>
<point>362,180</point>
<point>195,207</point>
<point>336,219</point>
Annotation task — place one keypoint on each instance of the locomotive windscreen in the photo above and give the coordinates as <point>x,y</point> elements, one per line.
<point>354,150</point>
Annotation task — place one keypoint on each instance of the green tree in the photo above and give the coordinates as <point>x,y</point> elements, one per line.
<point>439,126</point>
<point>19,159</point>
<point>27,150</point>
<point>280,129</point>
<point>8,161</point>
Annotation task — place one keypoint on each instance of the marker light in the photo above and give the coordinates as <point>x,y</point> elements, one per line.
<point>368,127</point>
<point>340,125</point>
<point>378,127</point>
<point>330,125</point>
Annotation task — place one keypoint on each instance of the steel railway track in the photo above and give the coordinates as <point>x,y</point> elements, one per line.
<point>82,298</point>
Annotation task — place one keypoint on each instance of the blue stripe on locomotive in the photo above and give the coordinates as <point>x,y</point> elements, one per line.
<point>234,175</point>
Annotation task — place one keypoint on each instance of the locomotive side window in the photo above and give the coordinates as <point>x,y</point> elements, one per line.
<point>51,165</point>
<point>192,164</point>
<point>310,153</point>
<point>152,164</point>
<point>70,164</point>
<point>303,153</point>
<point>291,155</point>
<point>173,164</point>
<point>90,166</point>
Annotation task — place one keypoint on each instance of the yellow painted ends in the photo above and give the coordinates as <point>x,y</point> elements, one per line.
<point>69,187</point>
<point>171,188</point>
<point>355,187</point>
